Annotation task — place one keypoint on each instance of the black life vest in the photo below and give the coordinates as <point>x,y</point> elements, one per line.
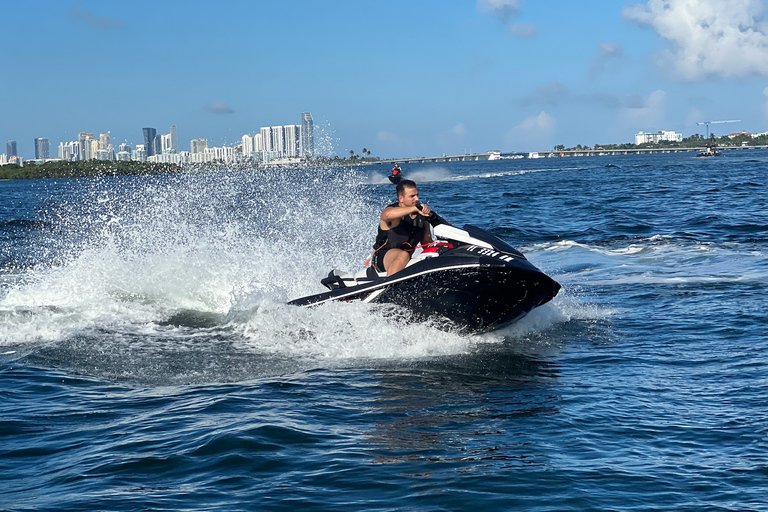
<point>406,235</point>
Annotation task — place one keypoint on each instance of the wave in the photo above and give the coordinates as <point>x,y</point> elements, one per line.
<point>204,263</point>
<point>436,174</point>
<point>657,259</point>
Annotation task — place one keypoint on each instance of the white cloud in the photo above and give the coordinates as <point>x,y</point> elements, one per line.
<point>609,49</point>
<point>709,38</point>
<point>765,92</point>
<point>459,129</point>
<point>505,10</point>
<point>386,136</point>
<point>91,19</point>
<point>535,132</point>
<point>220,107</point>
<point>502,9</point>
<point>644,113</point>
<point>523,30</point>
<point>550,93</point>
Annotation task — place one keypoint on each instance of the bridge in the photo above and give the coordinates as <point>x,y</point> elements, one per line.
<point>468,157</point>
<point>495,155</point>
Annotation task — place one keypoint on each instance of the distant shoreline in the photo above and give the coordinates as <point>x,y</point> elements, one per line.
<point>557,154</point>
<point>100,168</point>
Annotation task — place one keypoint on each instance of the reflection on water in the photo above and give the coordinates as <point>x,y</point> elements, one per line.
<point>464,409</point>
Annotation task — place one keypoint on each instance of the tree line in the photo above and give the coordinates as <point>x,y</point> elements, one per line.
<point>83,169</point>
<point>694,141</point>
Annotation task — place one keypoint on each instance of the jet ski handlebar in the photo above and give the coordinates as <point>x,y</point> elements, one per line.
<point>433,218</point>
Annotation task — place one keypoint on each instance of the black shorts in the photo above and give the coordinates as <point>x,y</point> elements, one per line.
<point>378,259</point>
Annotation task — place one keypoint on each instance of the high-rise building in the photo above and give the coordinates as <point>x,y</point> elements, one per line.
<point>165,144</point>
<point>278,141</point>
<point>157,148</point>
<point>307,135</point>
<point>42,150</point>
<point>198,145</point>
<point>654,138</point>
<point>266,138</point>
<point>69,151</point>
<point>139,154</point>
<point>247,145</point>
<point>292,140</point>
<point>104,154</point>
<point>149,140</point>
<point>103,141</point>
<point>174,139</point>
<point>11,148</point>
<point>86,140</point>
<point>258,143</point>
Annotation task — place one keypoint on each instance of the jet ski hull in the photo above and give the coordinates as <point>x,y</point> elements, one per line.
<point>468,288</point>
<point>474,299</point>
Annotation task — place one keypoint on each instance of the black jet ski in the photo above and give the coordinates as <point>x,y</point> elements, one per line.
<point>470,278</point>
<point>396,176</point>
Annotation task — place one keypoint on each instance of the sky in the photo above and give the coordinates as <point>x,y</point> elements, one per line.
<point>401,78</point>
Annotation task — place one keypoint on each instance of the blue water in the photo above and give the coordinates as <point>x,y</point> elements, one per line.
<point>148,360</point>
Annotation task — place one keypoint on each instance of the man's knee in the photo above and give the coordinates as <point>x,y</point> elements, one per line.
<point>397,261</point>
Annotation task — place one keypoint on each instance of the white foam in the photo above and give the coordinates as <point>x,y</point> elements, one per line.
<point>652,260</point>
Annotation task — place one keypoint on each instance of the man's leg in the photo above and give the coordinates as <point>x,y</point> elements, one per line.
<point>395,260</point>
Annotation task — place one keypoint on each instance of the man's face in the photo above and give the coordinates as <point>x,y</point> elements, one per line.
<point>410,196</point>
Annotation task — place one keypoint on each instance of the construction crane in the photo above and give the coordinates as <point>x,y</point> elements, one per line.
<point>718,122</point>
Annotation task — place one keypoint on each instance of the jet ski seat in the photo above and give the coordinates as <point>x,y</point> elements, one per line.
<point>338,279</point>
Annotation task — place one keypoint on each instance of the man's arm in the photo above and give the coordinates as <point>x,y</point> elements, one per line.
<point>391,213</point>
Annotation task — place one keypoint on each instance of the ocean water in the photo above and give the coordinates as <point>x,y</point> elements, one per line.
<point>148,360</point>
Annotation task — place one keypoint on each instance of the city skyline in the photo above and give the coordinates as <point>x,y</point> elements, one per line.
<point>399,78</point>
<point>270,143</point>
<point>167,143</point>
<point>282,141</point>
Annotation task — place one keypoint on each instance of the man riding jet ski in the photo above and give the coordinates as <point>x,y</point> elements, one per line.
<point>396,175</point>
<point>470,278</point>
<point>402,226</point>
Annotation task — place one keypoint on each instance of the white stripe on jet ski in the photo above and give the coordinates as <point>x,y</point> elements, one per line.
<point>382,285</point>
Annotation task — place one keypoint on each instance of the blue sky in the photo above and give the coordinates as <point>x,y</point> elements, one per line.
<point>401,78</point>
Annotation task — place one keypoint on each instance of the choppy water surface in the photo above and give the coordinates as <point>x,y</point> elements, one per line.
<point>148,360</point>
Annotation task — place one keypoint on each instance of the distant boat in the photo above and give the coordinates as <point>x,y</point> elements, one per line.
<point>533,154</point>
<point>494,155</point>
<point>709,151</point>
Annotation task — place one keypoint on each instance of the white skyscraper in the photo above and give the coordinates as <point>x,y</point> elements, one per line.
<point>198,145</point>
<point>174,139</point>
<point>307,135</point>
<point>247,145</point>
<point>258,143</point>
<point>165,143</point>
<point>266,139</point>
<point>69,151</point>
<point>86,147</point>
<point>292,140</point>
<point>278,141</point>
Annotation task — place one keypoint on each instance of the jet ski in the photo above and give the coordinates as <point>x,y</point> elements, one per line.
<point>469,280</point>
<point>396,176</point>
